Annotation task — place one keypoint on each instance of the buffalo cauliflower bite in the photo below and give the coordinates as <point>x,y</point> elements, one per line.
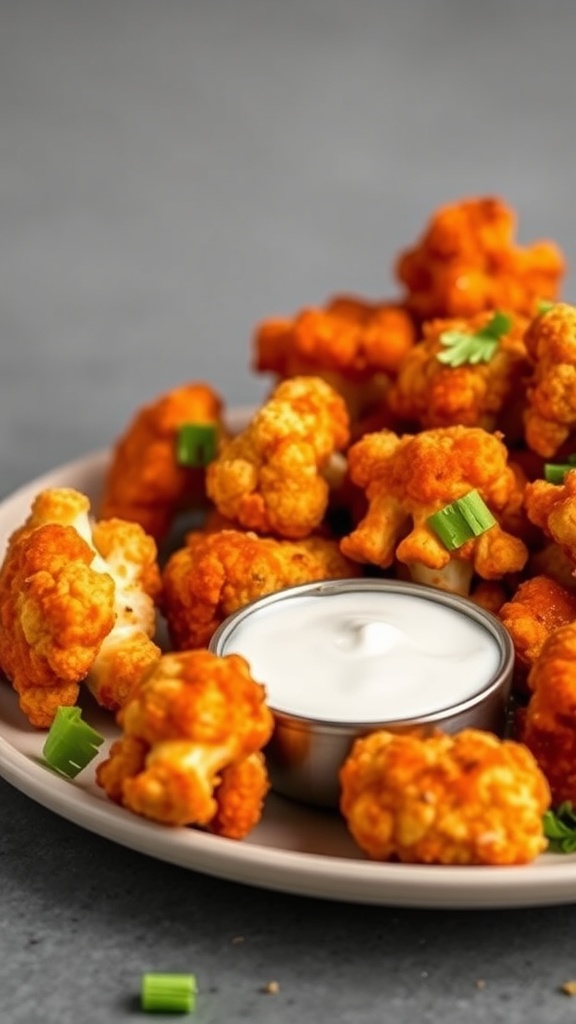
<point>471,798</point>
<point>432,394</point>
<point>217,573</point>
<point>407,479</point>
<point>55,611</point>
<point>552,561</point>
<point>550,416</point>
<point>538,607</point>
<point>144,482</point>
<point>466,261</point>
<point>548,724</point>
<point>552,507</point>
<point>270,477</point>
<point>126,552</point>
<point>76,603</point>
<point>355,345</point>
<point>189,752</point>
<point>489,594</point>
<point>240,797</point>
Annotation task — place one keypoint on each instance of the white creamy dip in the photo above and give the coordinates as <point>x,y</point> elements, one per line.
<point>365,656</point>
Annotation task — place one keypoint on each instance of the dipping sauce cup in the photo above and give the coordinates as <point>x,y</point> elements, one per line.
<point>346,657</point>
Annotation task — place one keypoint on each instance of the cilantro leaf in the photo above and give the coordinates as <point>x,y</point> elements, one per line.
<point>476,346</point>
<point>560,828</point>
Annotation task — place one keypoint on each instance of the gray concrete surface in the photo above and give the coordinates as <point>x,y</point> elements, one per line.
<point>171,172</point>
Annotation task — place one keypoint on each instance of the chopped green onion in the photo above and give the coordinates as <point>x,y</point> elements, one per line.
<point>544,306</point>
<point>477,346</point>
<point>169,993</point>
<point>560,828</point>
<point>554,472</point>
<point>71,743</point>
<point>196,444</point>
<point>461,520</point>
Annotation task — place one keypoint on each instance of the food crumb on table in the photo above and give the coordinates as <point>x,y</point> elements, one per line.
<point>569,987</point>
<point>272,988</point>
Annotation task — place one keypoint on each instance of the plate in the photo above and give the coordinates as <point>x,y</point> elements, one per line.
<point>294,849</point>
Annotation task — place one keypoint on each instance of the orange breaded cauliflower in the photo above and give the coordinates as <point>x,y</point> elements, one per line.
<point>539,606</point>
<point>548,726</point>
<point>431,393</point>
<point>129,555</point>
<point>407,479</point>
<point>466,261</point>
<point>489,594</point>
<point>355,345</point>
<point>550,416</point>
<point>465,799</point>
<point>55,611</point>
<point>76,603</point>
<point>144,482</point>
<point>190,749</point>
<point>552,561</point>
<point>270,477</point>
<point>552,507</point>
<point>217,573</point>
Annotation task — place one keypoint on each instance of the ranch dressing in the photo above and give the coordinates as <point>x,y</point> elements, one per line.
<point>365,656</point>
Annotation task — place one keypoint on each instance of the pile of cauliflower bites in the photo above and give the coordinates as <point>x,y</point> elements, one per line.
<point>379,415</point>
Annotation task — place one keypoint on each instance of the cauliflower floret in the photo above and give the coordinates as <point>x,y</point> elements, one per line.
<point>489,594</point>
<point>465,799</point>
<point>552,507</point>
<point>432,394</point>
<point>217,573</point>
<point>144,482</point>
<point>67,613</point>
<point>407,479</point>
<point>55,611</point>
<point>269,478</point>
<point>355,345</point>
<point>189,751</point>
<point>240,797</point>
<point>466,261</point>
<point>539,606</point>
<point>551,560</point>
<point>129,555</point>
<point>548,725</point>
<point>550,416</point>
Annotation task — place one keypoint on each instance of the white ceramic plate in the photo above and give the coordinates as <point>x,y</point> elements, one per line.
<point>294,848</point>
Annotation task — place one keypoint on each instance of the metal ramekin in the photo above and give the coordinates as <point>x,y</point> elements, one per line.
<point>305,754</point>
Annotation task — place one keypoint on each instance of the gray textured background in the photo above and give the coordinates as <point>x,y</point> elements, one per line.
<point>173,171</point>
<point>170,172</point>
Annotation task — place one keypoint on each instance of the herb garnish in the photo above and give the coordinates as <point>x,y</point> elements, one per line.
<point>560,828</point>
<point>477,346</point>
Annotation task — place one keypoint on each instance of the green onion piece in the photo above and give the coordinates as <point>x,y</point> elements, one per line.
<point>544,306</point>
<point>475,347</point>
<point>168,993</point>
<point>560,828</point>
<point>554,472</point>
<point>461,520</point>
<point>71,743</point>
<point>196,444</point>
